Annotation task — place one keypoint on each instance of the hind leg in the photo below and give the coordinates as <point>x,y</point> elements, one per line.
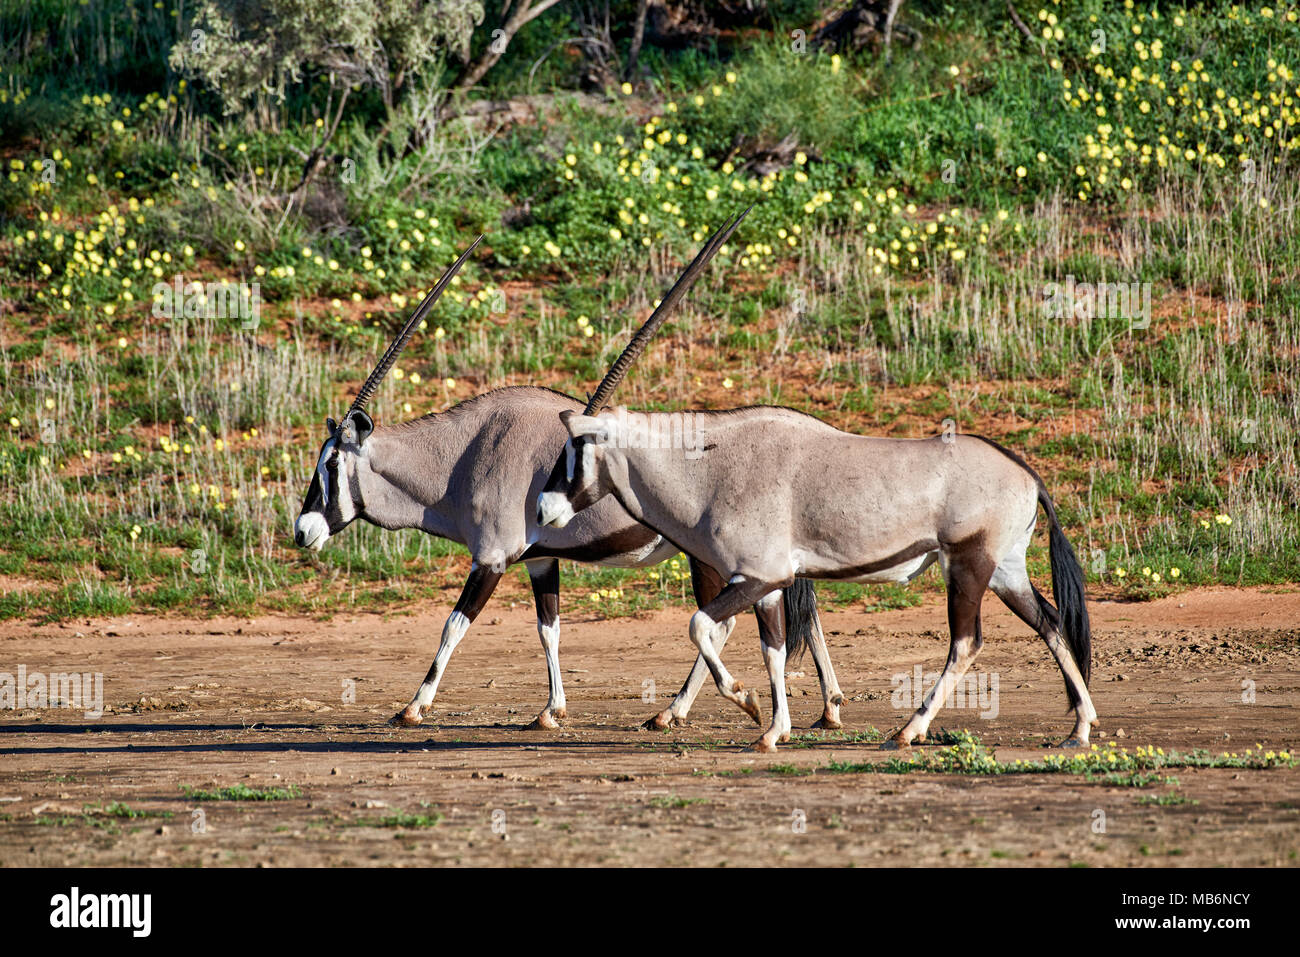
<point>706,583</point>
<point>1011,583</point>
<point>967,575</point>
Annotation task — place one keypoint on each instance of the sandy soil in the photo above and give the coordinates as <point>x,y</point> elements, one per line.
<point>261,702</point>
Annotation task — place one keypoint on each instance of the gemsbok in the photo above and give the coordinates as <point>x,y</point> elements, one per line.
<point>777,496</point>
<point>470,474</point>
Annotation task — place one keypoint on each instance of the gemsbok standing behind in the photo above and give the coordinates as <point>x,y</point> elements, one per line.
<point>470,475</point>
<point>779,496</point>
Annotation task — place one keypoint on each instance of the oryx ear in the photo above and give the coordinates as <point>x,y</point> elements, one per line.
<point>589,426</point>
<point>357,427</point>
<point>331,425</point>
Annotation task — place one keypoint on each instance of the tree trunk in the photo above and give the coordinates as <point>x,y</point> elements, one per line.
<point>526,12</point>
<point>638,37</point>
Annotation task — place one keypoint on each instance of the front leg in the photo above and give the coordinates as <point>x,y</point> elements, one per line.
<point>545,577</point>
<point>770,610</point>
<point>478,589</point>
<point>706,584</point>
<point>706,622</point>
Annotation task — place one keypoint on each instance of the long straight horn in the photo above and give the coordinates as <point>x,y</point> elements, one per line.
<point>395,350</point>
<point>643,335</point>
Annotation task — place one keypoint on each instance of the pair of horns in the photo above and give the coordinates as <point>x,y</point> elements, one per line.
<point>616,372</point>
<point>390,357</point>
<point>643,335</point>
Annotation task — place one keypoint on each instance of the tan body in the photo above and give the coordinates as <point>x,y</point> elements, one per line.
<point>776,495</point>
<point>470,475</point>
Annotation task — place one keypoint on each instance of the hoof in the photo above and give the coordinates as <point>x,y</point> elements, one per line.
<point>749,704</point>
<point>664,720</point>
<point>1073,742</point>
<point>827,723</point>
<point>762,746</point>
<point>409,717</point>
<point>545,721</point>
<point>895,742</point>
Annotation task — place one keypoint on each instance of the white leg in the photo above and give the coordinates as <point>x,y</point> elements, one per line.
<point>1011,583</point>
<point>545,577</point>
<point>960,657</point>
<point>680,707</point>
<point>452,632</point>
<point>779,730</point>
<point>704,632</point>
<point>966,578</point>
<point>555,705</point>
<point>832,696</point>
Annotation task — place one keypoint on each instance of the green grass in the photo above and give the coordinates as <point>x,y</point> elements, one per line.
<point>1165,800</point>
<point>890,278</point>
<point>403,820</point>
<point>104,817</point>
<point>673,801</point>
<point>242,792</point>
<point>790,770</point>
<point>967,755</point>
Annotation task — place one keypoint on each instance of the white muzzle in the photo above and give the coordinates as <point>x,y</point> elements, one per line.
<point>311,531</point>
<point>553,509</point>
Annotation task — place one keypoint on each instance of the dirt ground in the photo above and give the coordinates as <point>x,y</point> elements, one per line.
<point>265,703</point>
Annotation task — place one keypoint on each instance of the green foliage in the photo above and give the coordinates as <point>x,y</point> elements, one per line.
<point>242,792</point>
<point>967,755</point>
<point>243,50</point>
<point>889,277</point>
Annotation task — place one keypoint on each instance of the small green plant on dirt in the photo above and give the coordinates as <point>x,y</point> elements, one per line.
<point>120,810</point>
<point>673,801</point>
<point>1172,799</point>
<point>242,792</point>
<point>403,819</point>
<point>805,739</point>
<point>969,756</point>
<point>1134,779</point>
<point>105,817</point>
<point>790,770</point>
<point>730,773</point>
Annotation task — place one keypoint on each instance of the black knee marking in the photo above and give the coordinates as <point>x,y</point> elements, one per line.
<point>546,592</point>
<point>706,583</point>
<point>480,585</point>
<point>771,623</point>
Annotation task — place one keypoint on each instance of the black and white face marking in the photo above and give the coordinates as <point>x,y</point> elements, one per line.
<point>329,506</point>
<point>575,483</point>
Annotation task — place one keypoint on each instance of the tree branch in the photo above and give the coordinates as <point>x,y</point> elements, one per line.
<point>523,14</point>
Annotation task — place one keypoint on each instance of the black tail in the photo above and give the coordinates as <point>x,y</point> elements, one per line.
<point>1067,589</point>
<point>800,613</point>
